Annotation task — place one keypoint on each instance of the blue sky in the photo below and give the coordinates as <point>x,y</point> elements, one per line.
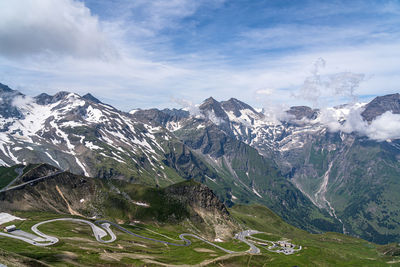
<point>141,53</point>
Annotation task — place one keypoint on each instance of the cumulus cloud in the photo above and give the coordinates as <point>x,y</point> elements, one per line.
<point>349,120</point>
<point>386,126</point>
<point>320,85</point>
<point>188,105</point>
<point>52,27</point>
<point>276,113</point>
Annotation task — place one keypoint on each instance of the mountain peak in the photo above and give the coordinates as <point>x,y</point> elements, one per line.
<point>210,105</point>
<point>236,106</point>
<point>5,89</point>
<point>380,105</point>
<point>45,99</point>
<point>90,97</point>
<point>210,100</point>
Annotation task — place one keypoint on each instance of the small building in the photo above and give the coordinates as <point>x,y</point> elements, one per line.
<point>10,228</point>
<point>285,244</point>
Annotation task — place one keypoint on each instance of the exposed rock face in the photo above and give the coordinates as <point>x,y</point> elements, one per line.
<point>44,99</point>
<point>176,114</point>
<point>236,106</point>
<point>198,195</point>
<point>7,107</point>
<point>380,105</point>
<point>301,112</point>
<point>62,193</point>
<point>39,171</point>
<point>188,165</point>
<point>207,207</point>
<point>91,98</point>
<point>212,107</point>
<point>153,116</point>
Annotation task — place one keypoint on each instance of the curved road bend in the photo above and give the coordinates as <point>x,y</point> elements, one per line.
<point>30,241</point>
<point>242,237</point>
<point>101,230</point>
<point>98,232</point>
<point>186,241</point>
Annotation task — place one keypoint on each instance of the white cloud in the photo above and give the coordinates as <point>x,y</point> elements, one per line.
<point>349,120</point>
<point>329,85</point>
<point>22,101</point>
<point>386,126</point>
<point>51,27</point>
<point>267,91</point>
<point>148,71</point>
<point>188,106</point>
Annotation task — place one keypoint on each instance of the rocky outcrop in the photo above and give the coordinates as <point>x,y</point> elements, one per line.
<point>210,105</point>
<point>38,170</point>
<point>197,195</point>
<point>91,98</point>
<point>236,106</point>
<point>380,105</point>
<point>8,109</point>
<point>63,193</point>
<point>206,208</point>
<point>300,112</point>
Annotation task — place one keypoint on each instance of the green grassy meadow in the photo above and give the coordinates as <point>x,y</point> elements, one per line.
<point>78,247</point>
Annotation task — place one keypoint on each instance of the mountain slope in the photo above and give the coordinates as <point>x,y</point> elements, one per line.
<point>67,193</point>
<point>309,166</point>
<point>343,173</point>
<point>85,136</point>
<point>241,174</point>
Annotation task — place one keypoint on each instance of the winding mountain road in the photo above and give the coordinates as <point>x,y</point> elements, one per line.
<point>100,230</point>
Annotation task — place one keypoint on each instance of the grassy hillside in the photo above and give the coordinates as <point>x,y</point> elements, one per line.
<point>7,174</point>
<point>77,245</point>
<point>328,249</point>
<point>186,207</point>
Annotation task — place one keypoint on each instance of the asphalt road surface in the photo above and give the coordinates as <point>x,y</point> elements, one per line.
<point>242,237</point>
<point>102,229</point>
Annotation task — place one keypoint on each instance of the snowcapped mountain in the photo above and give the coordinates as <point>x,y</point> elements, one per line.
<point>333,169</point>
<point>345,160</point>
<point>83,135</point>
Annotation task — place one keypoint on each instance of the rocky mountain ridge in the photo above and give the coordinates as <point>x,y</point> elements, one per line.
<point>308,166</point>
<point>340,171</point>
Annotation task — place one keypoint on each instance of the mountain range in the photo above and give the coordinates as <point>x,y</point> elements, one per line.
<point>334,169</point>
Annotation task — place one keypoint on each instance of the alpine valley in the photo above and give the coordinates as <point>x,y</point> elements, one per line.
<point>322,179</point>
